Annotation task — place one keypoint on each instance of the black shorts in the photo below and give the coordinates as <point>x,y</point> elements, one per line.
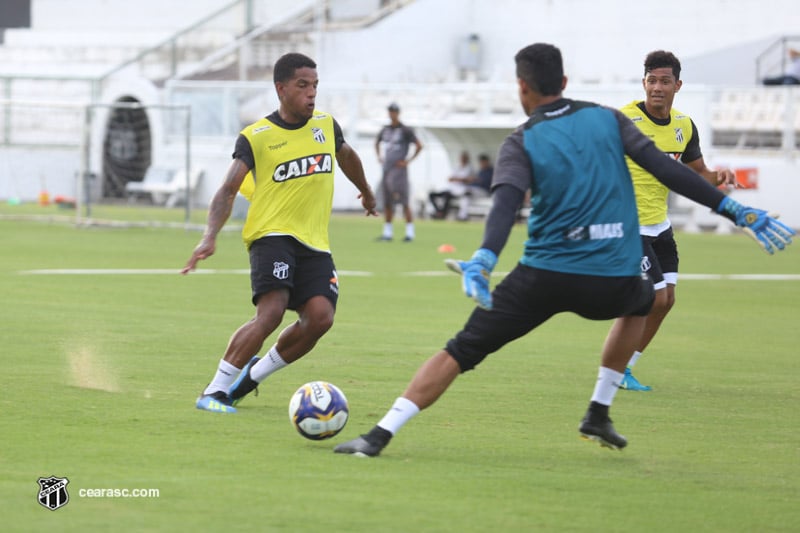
<point>281,262</point>
<point>527,297</point>
<point>660,256</point>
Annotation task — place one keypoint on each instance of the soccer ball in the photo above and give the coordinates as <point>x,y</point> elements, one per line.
<point>318,410</point>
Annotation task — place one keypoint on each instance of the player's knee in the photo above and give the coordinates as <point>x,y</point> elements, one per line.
<point>317,321</point>
<point>324,322</point>
<point>670,297</point>
<point>661,304</point>
<point>267,321</point>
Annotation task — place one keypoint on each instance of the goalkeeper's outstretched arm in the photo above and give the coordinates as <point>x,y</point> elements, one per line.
<point>764,228</point>
<point>506,201</point>
<point>476,271</point>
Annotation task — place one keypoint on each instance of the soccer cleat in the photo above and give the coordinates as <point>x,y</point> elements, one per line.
<point>602,432</point>
<point>383,238</point>
<point>631,383</point>
<point>360,447</point>
<point>244,384</point>
<point>216,402</point>
<point>408,238</point>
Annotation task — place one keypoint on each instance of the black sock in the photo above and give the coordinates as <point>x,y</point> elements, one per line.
<point>378,435</point>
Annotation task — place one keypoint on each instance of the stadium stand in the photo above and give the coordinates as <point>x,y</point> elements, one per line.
<point>758,117</point>
<point>215,57</point>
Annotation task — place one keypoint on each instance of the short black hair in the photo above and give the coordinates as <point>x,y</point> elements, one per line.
<point>541,67</point>
<point>286,66</point>
<point>662,59</point>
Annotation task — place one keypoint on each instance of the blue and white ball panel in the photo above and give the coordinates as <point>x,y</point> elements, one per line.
<point>318,410</point>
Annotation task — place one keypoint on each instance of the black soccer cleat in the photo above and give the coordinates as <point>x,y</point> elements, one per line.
<point>360,447</point>
<point>244,384</point>
<point>368,445</point>
<point>602,431</point>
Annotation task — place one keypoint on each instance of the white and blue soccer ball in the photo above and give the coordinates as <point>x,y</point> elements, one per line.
<point>318,410</point>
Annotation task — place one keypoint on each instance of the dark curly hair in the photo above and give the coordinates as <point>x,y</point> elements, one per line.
<point>662,59</point>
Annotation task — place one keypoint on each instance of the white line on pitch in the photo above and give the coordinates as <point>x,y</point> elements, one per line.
<point>712,277</point>
<point>361,273</point>
<point>153,271</point>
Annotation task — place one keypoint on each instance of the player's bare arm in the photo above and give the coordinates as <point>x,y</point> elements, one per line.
<point>218,213</point>
<point>351,165</point>
<point>716,178</point>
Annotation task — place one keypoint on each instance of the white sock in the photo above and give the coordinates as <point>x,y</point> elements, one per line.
<point>401,412</point>
<point>607,385</point>
<point>410,230</point>
<point>388,232</point>
<point>634,358</point>
<point>271,362</point>
<point>224,378</point>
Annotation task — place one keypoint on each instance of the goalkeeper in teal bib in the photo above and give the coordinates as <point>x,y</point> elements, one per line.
<point>583,249</point>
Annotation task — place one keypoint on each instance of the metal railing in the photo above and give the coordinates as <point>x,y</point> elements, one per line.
<point>774,59</point>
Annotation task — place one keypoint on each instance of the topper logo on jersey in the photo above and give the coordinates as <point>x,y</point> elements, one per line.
<point>303,166</point>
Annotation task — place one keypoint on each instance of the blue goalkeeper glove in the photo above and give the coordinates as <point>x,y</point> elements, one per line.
<point>761,226</point>
<point>475,275</point>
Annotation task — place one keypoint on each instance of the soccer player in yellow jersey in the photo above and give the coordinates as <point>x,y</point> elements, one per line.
<point>287,159</point>
<point>675,134</point>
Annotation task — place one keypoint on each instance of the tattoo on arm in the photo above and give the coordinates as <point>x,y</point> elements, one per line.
<point>222,204</point>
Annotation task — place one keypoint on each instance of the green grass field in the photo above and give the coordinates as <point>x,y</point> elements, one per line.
<point>103,369</point>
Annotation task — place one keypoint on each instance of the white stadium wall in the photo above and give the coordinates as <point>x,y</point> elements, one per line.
<point>604,44</point>
<point>602,41</point>
<point>118,15</point>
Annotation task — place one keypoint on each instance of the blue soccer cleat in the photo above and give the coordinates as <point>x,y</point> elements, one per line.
<point>244,384</point>
<point>631,383</point>
<point>216,402</point>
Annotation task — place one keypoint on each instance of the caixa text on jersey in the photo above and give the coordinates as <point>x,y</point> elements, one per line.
<point>303,166</point>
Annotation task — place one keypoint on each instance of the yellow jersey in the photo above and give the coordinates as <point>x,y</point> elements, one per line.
<point>290,187</point>
<point>671,137</point>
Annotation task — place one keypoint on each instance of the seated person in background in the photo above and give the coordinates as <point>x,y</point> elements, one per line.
<point>481,185</point>
<point>478,186</point>
<point>457,188</point>
<point>792,74</point>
